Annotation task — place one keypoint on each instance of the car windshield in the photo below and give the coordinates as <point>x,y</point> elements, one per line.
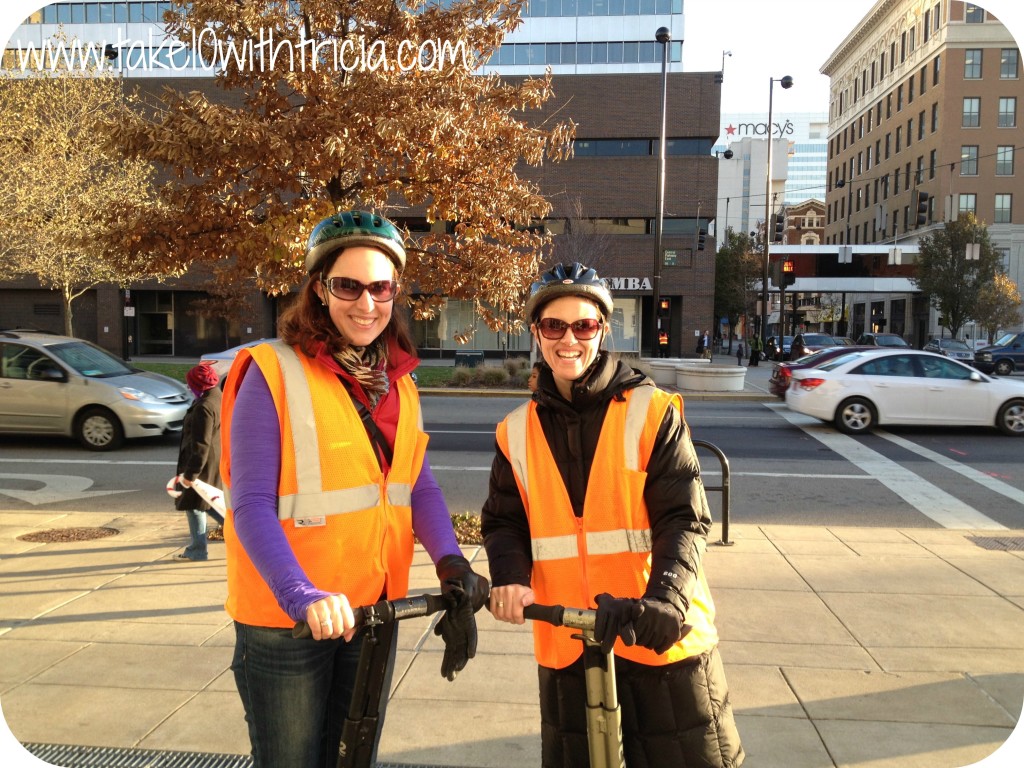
<point>841,360</point>
<point>89,360</point>
<point>1004,340</point>
<point>890,341</point>
<point>954,344</point>
<point>818,338</point>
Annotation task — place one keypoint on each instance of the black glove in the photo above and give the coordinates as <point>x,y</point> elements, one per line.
<point>659,625</point>
<point>615,616</point>
<point>465,592</point>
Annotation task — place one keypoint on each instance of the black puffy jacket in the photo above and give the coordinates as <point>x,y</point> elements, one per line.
<point>676,503</point>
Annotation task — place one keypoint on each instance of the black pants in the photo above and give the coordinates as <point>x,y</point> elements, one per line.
<point>674,716</point>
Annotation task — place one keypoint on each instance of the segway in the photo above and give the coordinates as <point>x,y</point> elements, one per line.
<point>604,716</point>
<point>377,622</point>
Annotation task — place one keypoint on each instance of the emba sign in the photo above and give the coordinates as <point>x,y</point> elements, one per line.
<point>629,283</point>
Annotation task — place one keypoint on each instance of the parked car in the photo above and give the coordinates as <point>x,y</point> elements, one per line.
<point>882,340</point>
<point>65,386</point>
<point>773,350</point>
<point>862,390</point>
<point>1003,357</point>
<point>782,375</point>
<point>221,361</point>
<point>954,348</point>
<point>805,343</point>
<point>844,341</point>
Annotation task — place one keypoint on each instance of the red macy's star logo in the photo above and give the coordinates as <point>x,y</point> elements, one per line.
<point>730,129</point>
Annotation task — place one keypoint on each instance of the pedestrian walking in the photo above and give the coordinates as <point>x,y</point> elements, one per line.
<point>756,345</point>
<point>739,353</point>
<point>596,500</point>
<point>199,458</point>
<point>325,456</point>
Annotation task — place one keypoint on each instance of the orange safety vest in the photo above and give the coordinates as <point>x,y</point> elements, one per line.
<point>349,525</point>
<point>608,549</point>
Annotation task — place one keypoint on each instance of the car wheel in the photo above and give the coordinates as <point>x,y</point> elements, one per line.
<point>1010,419</point>
<point>1004,368</point>
<point>97,429</point>
<point>855,416</point>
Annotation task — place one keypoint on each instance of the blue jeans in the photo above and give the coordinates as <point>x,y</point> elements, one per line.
<point>296,694</point>
<point>197,530</point>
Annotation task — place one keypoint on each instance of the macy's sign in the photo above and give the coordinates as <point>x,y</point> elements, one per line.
<point>740,130</point>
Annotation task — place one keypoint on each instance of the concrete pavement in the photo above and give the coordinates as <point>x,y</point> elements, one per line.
<point>865,647</point>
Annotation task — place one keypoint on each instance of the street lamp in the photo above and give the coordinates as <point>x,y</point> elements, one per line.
<point>663,36</point>
<point>785,82</point>
<point>728,155</point>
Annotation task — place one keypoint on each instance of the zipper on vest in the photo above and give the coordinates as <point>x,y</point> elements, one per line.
<point>581,547</point>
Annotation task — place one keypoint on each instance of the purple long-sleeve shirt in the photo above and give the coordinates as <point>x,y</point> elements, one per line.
<point>255,468</point>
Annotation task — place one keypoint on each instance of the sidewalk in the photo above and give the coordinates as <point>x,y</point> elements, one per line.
<point>871,648</point>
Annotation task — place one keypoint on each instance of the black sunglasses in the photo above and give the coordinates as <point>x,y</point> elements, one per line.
<point>347,289</point>
<point>552,328</point>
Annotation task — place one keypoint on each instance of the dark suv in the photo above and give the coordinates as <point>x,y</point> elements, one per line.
<point>1002,357</point>
<point>805,343</point>
<point>891,340</point>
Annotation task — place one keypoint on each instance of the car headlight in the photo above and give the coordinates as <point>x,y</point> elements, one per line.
<point>983,356</point>
<point>130,393</point>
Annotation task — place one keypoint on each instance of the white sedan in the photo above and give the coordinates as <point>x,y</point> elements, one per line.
<point>861,390</point>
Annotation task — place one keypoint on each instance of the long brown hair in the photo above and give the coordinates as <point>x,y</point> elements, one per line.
<point>308,323</point>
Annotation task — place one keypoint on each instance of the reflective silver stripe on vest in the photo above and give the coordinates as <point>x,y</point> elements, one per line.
<point>516,423</point>
<point>636,420</point>
<point>615,542</point>
<point>400,494</point>
<point>310,500</point>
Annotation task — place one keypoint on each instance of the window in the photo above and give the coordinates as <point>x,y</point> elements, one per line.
<point>899,138</point>
<point>935,71</point>
<point>920,125</point>
<point>974,14</point>
<point>1004,161</point>
<point>887,137</point>
<point>937,16</point>
<point>910,91</point>
<point>1004,209</point>
<point>888,106</point>
<point>910,131</point>
<point>969,160</point>
<point>967,203</point>
<point>935,117</point>
<point>972,64</point>
<point>899,98</point>
<point>1008,61</point>
<point>932,160</point>
<point>1008,112</point>
<point>971,112</point>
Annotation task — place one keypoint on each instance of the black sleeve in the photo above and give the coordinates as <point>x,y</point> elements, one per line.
<point>505,528</point>
<point>203,434</point>
<point>678,512</point>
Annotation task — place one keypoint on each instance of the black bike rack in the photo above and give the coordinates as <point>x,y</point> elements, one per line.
<point>723,488</point>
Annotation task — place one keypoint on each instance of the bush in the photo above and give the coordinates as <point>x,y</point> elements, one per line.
<point>463,376</point>
<point>515,364</point>
<point>490,376</point>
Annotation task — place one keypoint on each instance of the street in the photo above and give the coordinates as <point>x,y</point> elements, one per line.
<point>784,468</point>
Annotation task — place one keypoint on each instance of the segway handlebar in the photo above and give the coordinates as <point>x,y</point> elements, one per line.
<point>561,616</point>
<point>385,612</point>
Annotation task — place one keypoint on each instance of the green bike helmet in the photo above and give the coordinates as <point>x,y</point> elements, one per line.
<point>569,280</point>
<point>350,228</point>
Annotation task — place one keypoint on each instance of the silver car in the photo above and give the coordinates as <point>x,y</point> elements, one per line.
<point>951,348</point>
<point>65,386</point>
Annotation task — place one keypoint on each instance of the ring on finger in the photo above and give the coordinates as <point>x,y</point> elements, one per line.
<point>501,604</point>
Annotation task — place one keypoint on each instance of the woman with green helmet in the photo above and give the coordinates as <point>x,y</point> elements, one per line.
<point>325,458</point>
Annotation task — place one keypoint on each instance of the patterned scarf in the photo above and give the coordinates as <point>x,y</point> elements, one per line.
<point>367,366</point>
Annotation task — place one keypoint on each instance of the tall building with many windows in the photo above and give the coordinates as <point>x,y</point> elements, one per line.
<point>925,96</point>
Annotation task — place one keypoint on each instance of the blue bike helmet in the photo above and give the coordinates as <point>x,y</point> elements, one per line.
<point>349,228</point>
<point>569,280</point>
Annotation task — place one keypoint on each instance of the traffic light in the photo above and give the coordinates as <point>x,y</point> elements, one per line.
<point>921,199</point>
<point>788,275</point>
<point>775,273</point>
<point>702,238</point>
<point>780,226</point>
<point>664,307</point>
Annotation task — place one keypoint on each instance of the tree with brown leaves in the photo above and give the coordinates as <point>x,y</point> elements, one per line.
<point>332,104</point>
<point>57,174</point>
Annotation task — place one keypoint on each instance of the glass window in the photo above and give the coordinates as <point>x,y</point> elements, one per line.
<point>507,54</point>
<point>630,53</point>
<point>553,53</point>
<point>1004,209</point>
<point>935,70</point>
<point>615,7</point>
<point>568,7</point>
<point>106,13</point>
<point>92,13</point>
<point>648,7</point>
<point>135,12</point>
<point>935,117</point>
<point>972,64</point>
<point>584,53</point>
<point>614,53</point>
<point>522,54</point>
<point>971,112</point>
<point>77,13</point>
<point>968,160</point>
<point>1008,112</point>
<point>1008,61</point>
<point>648,52</point>
<point>899,98</point>
<point>974,14</point>
<point>599,53</point>
<point>920,125</point>
<point>932,160</point>
<point>63,13</point>
<point>631,8</point>
<point>120,12</point>
<point>967,203</point>
<point>568,54</point>
<point>1004,161</point>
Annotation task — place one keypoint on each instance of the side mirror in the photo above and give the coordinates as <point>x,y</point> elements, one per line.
<point>52,374</point>
<point>975,376</point>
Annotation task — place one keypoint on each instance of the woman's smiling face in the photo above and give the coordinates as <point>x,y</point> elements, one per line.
<point>568,357</point>
<point>363,319</point>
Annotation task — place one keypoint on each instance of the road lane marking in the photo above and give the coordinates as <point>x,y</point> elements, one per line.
<point>55,488</point>
<point>930,500</point>
<point>981,478</point>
